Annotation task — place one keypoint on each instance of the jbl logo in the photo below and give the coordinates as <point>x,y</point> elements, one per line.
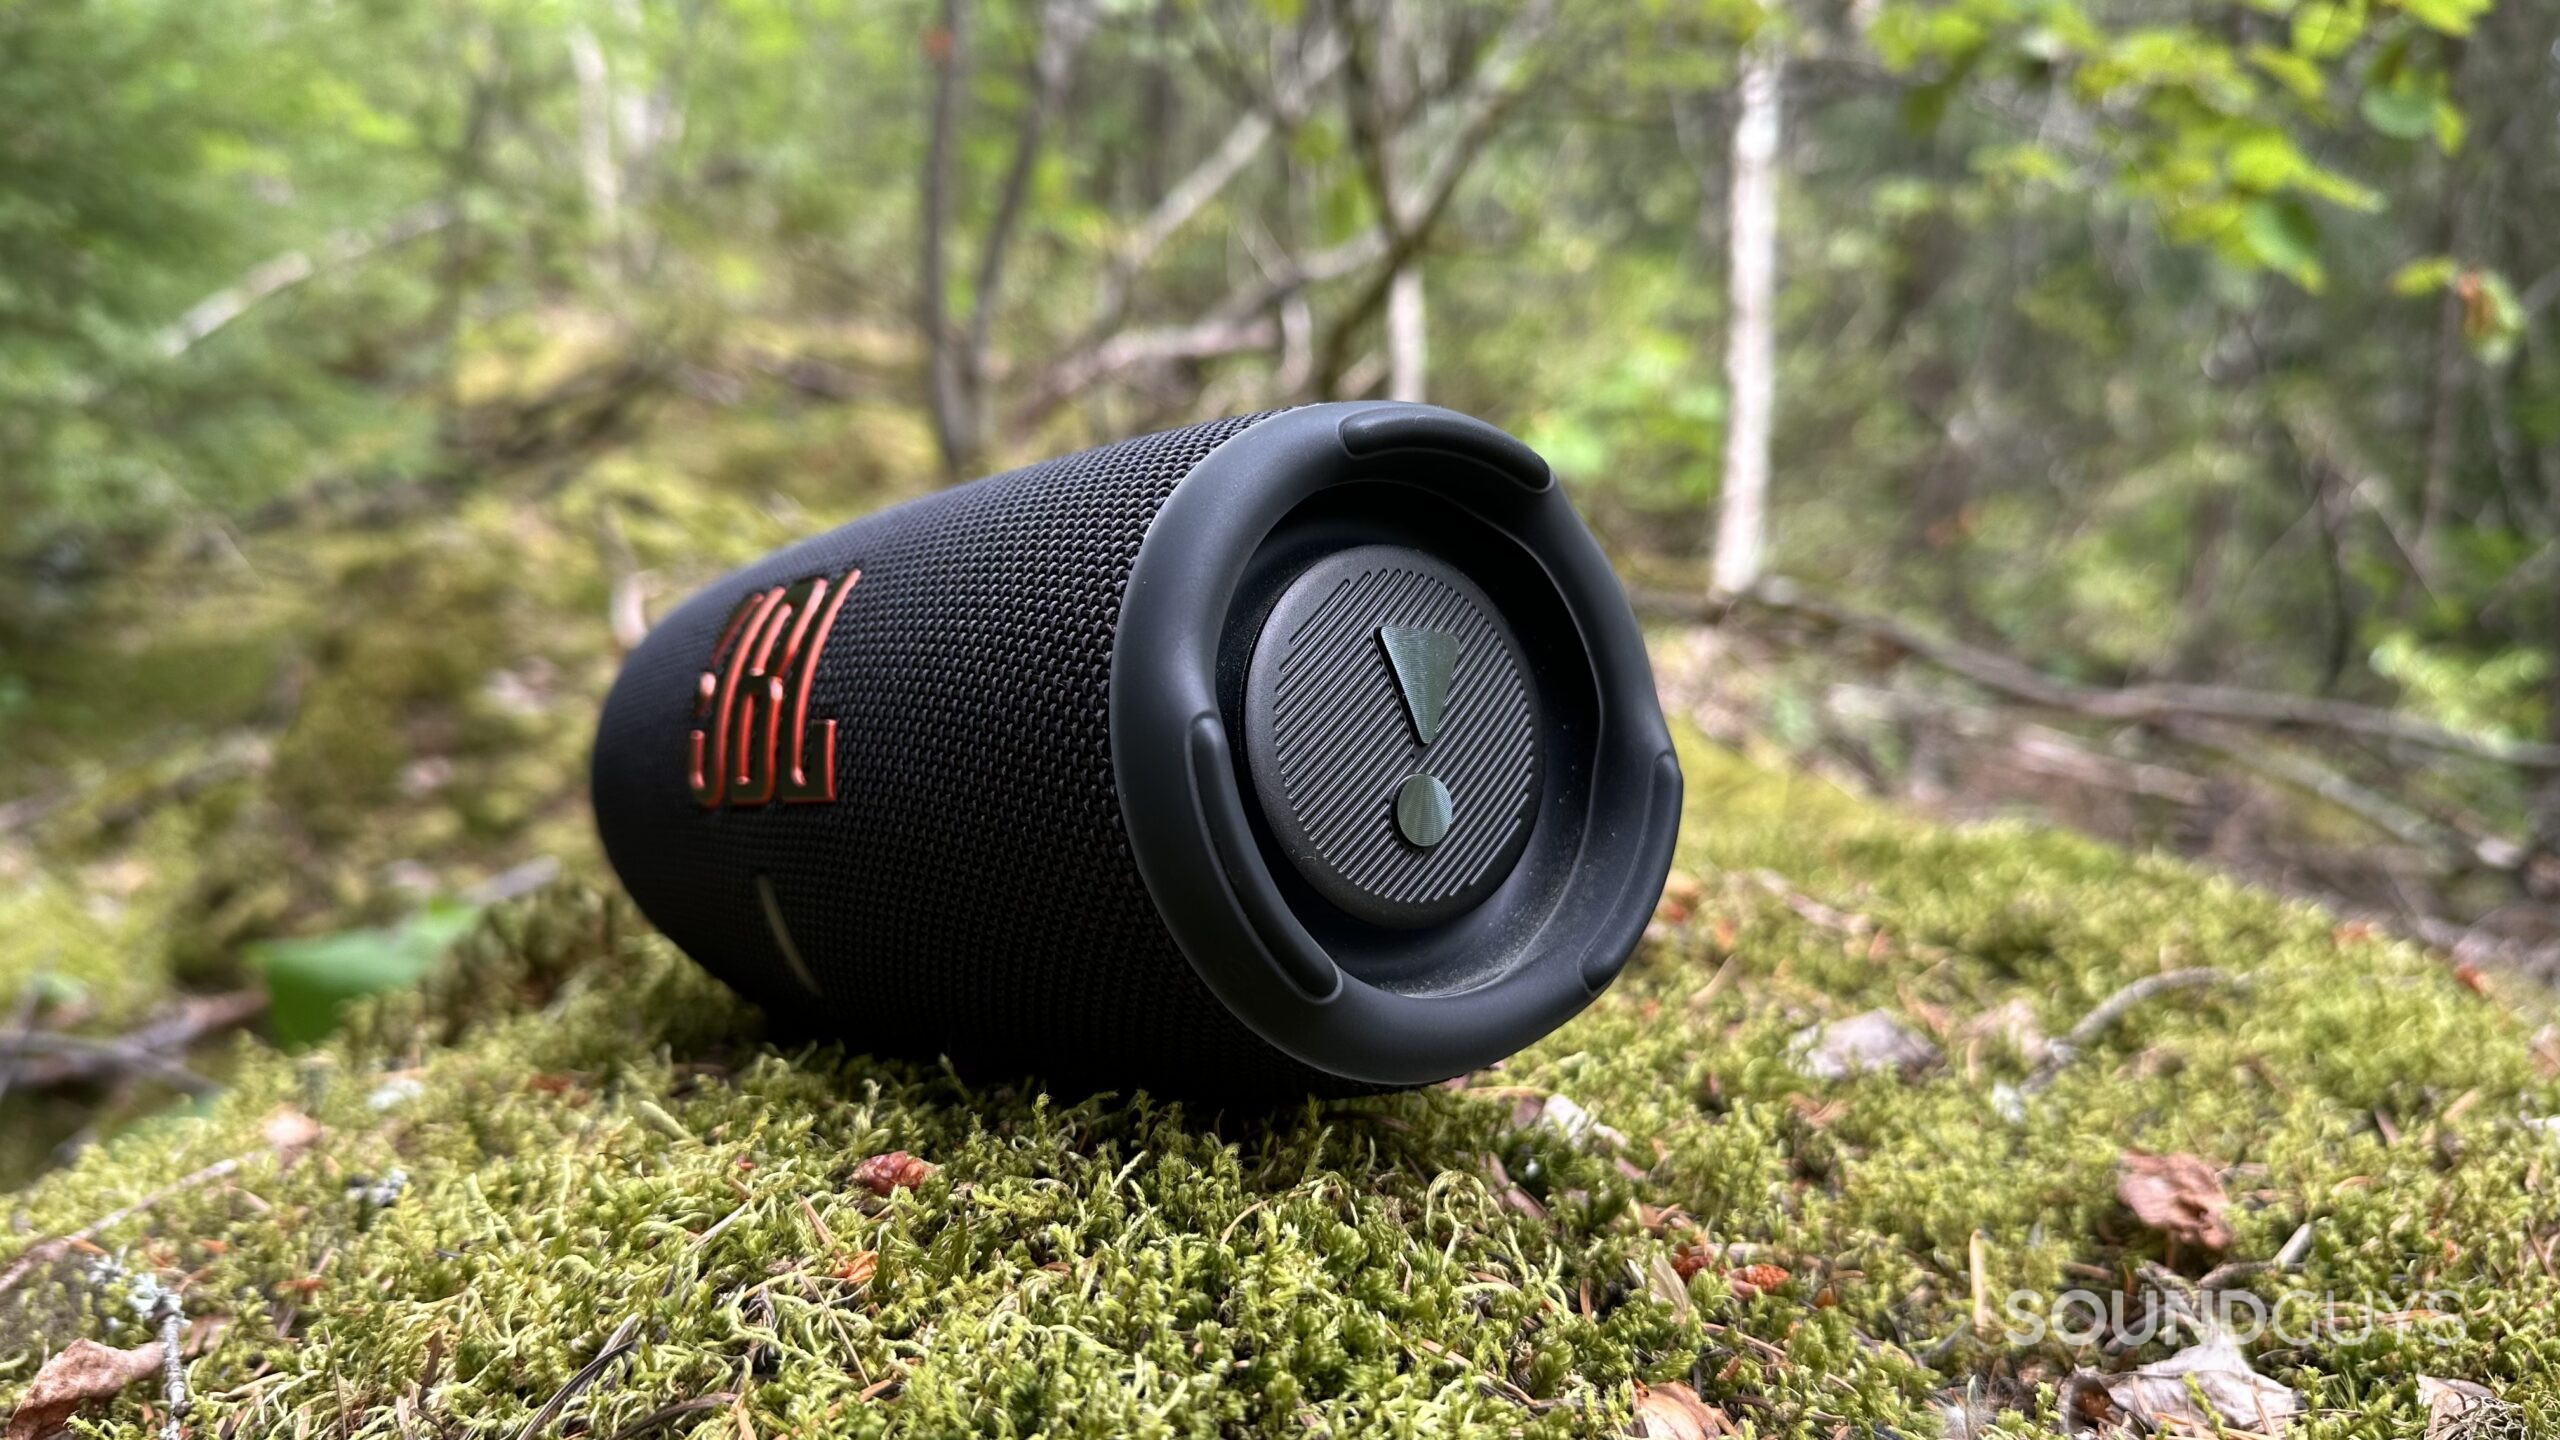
<point>752,742</point>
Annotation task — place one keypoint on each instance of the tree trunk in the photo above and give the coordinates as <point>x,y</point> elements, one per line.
<point>1742,519</point>
<point>1408,337</point>
<point>2444,438</point>
<point>2452,366</point>
<point>954,427</point>
<point>962,350</point>
<point>598,169</point>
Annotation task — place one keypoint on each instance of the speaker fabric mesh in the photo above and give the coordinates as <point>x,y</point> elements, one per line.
<point>970,890</point>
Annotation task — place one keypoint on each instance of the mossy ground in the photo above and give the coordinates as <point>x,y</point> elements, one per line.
<point>588,1135</point>
<point>314,723</point>
<point>571,1134</point>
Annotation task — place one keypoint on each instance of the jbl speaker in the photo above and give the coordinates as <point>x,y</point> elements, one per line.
<point>1314,751</point>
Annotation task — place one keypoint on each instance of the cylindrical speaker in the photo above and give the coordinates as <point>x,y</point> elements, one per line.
<point>1314,751</point>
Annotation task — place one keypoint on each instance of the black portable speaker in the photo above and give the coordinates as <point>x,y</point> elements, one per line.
<point>1314,751</point>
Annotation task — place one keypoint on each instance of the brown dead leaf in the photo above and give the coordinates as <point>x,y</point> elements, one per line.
<point>2207,1389</point>
<point>896,1170</point>
<point>1681,893</point>
<point>83,1373</point>
<point>1673,1411</point>
<point>289,1133</point>
<point>2460,1410</point>
<point>2012,1024</point>
<point>858,1267</point>
<point>2178,1195</point>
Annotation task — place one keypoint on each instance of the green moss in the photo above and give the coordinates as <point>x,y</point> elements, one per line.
<point>311,726</point>
<point>586,1132</point>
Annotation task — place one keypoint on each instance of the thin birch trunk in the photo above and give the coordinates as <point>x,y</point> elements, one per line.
<point>1408,336</point>
<point>1742,520</point>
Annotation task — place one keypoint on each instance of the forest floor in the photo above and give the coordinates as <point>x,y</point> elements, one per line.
<point>1877,1096</point>
<point>1819,1160</point>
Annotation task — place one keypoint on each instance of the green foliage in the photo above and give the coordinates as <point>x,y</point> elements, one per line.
<point>2007,259</point>
<point>2197,132</point>
<point>310,979</point>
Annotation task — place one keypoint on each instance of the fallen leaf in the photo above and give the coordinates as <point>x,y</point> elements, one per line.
<point>1669,1283</point>
<point>858,1267</point>
<point>2178,1195</point>
<point>1681,893</point>
<point>1861,1043</point>
<point>2461,1410</point>
<point>896,1170</point>
<point>1562,1115</point>
<point>1673,1411</point>
<point>2207,1389</point>
<point>83,1373</point>
<point>289,1132</point>
<point>2014,1025</point>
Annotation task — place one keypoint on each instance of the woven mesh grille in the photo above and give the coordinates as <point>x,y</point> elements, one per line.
<point>970,892</point>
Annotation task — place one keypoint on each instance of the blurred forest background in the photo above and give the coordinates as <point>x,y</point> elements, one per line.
<point>2141,415</point>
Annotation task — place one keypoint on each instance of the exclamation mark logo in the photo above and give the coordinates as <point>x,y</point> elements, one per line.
<point>1425,662</point>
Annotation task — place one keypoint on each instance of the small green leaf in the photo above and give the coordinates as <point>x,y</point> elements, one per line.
<point>2423,277</point>
<point>2337,189</point>
<point>2451,127</point>
<point>2302,77</point>
<point>2451,17</point>
<point>2326,29</point>
<point>2028,163</point>
<point>2265,161</point>
<point>2282,234</point>
<point>2403,112</point>
<point>311,978</point>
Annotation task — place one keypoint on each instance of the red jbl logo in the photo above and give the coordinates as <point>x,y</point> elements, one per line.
<point>752,744</point>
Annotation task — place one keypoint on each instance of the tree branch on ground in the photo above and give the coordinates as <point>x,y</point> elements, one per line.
<point>45,1060</point>
<point>270,278</point>
<point>2114,1008</point>
<point>44,1251</point>
<point>2156,705</point>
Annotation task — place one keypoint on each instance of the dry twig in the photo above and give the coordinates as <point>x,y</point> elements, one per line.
<point>44,1250</point>
<point>2114,1008</point>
